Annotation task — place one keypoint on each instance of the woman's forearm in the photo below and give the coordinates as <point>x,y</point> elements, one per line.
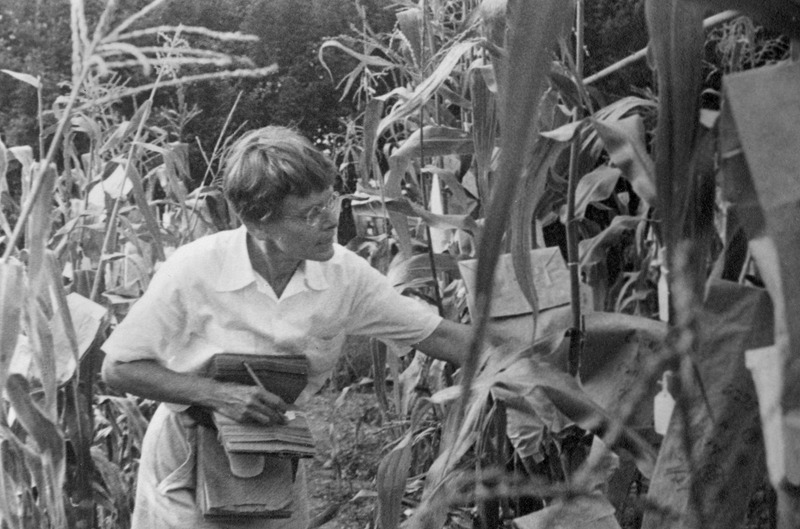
<point>450,342</point>
<point>151,380</point>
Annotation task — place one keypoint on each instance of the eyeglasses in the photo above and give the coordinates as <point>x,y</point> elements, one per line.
<point>316,214</point>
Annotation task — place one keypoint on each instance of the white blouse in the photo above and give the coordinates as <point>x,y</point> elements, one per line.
<point>207,299</point>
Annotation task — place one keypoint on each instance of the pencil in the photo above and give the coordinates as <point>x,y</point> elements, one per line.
<point>261,385</point>
<point>254,376</point>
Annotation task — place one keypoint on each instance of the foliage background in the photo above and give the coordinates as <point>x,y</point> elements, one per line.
<point>166,144</point>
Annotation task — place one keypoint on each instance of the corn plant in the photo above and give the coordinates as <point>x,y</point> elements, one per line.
<point>434,92</point>
<point>105,201</point>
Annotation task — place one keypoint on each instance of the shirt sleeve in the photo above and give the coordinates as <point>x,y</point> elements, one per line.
<point>380,311</point>
<point>154,322</point>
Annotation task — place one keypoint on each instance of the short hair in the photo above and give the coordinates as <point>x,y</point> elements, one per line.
<point>268,164</point>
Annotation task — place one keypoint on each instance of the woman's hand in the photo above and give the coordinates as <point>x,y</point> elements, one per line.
<point>247,404</point>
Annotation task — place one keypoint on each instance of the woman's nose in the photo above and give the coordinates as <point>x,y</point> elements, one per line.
<point>330,219</point>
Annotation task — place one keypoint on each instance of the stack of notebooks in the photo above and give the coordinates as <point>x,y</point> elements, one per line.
<point>292,439</point>
<point>263,491</point>
<point>284,376</point>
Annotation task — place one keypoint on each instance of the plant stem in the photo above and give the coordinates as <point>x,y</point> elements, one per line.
<point>425,202</point>
<point>573,257</point>
<point>40,116</point>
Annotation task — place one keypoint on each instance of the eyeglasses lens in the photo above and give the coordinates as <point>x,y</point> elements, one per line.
<point>315,214</point>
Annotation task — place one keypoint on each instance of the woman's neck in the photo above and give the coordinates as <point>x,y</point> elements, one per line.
<point>271,264</point>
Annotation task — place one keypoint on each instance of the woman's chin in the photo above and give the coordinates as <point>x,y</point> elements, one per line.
<point>322,252</point>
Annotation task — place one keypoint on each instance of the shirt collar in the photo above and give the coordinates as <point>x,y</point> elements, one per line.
<point>315,275</point>
<point>237,272</point>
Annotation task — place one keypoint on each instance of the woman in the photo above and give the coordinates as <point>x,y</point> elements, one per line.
<point>277,284</point>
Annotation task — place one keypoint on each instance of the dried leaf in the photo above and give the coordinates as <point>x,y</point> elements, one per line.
<point>25,78</point>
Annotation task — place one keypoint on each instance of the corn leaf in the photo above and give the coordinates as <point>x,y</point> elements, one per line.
<point>367,60</point>
<point>372,117</point>
<point>136,421</point>
<point>49,467</point>
<point>593,250</point>
<point>434,141</point>
<point>430,141</point>
<point>11,299</point>
<point>113,482</point>
<point>391,479</point>
<point>618,348</point>
<point>24,155</point>
<point>418,268</point>
<point>39,223</point>
<point>595,186</point>
<point>484,129</point>
<point>38,310</point>
<point>457,439</point>
<point>677,38</point>
<point>45,432</point>
<point>147,212</point>
<point>404,207</point>
<point>545,155</point>
<point>625,142</point>
<point>3,167</point>
<point>459,197</point>
<point>57,289</point>
<point>535,27</point>
<point>87,125</point>
<point>425,90</point>
<point>8,486</point>
<point>595,419</point>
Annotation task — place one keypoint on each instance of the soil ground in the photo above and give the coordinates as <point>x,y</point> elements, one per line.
<point>350,442</point>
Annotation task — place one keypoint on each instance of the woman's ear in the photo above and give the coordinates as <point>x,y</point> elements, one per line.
<point>260,227</point>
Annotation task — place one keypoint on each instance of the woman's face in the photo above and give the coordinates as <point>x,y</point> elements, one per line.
<point>304,228</point>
